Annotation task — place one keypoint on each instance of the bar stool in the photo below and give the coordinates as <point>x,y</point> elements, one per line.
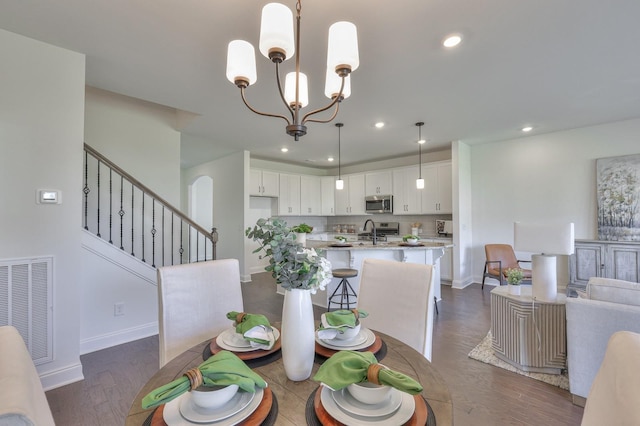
<point>343,296</point>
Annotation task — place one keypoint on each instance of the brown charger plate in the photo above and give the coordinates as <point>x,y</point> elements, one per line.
<point>411,245</point>
<point>419,417</point>
<point>255,419</point>
<point>245,356</point>
<point>326,352</point>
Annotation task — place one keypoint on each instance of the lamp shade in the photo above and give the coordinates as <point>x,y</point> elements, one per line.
<point>420,183</point>
<point>333,83</point>
<point>290,89</point>
<point>241,62</point>
<point>276,30</point>
<point>548,238</point>
<point>339,184</point>
<point>343,46</point>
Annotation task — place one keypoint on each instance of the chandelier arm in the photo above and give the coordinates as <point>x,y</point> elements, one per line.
<point>259,112</point>
<point>284,101</point>
<point>335,100</point>
<point>335,113</point>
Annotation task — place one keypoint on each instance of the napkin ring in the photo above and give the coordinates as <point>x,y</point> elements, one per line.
<point>372,373</point>
<point>195,378</point>
<point>355,313</point>
<point>240,317</point>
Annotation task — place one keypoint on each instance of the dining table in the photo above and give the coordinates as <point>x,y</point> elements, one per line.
<point>293,401</point>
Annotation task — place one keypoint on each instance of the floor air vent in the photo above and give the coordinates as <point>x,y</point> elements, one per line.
<point>25,303</point>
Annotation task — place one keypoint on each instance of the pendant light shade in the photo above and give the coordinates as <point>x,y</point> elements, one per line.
<point>343,47</point>
<point>241,63</point>
<point>420,181</point>
<point>339,182</point>
<point>332,85</point>
<point>276,31</point>
<point>290,90</point>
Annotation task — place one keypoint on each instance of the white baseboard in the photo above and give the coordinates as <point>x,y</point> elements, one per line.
<point>117,338</point>
<point>63,376</point>
<point>460,284</point>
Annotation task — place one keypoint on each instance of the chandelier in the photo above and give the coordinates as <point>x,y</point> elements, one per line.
<point>277,43</point>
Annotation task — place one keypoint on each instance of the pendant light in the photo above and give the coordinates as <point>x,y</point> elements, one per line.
<point>339,182</point>
<point>420,181</point>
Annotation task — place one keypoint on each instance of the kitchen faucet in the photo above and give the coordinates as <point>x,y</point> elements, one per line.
<point>374,237</point>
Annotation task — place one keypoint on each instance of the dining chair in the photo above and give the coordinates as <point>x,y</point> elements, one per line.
<point>501,257</point>
<point>398,298</point>
<point>613,397</point>
<point>194,299</point>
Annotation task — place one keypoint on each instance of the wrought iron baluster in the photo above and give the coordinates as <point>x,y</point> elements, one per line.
<point>163,237</point>
<point>132,218</point>
<point>110,204</point>
<point>142,228</point>
<point>153,233</point>
<point>98,233</point>
<point>181,251</point>
<point>121,212</point>
<point>172,234</point>
<point>86,189</point>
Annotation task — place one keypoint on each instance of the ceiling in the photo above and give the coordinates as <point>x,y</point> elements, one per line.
<point>551,64</point>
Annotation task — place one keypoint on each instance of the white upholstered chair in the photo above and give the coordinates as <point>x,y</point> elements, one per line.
<point>193,302</point>
<point>613,398</point>
<point>399,297</point>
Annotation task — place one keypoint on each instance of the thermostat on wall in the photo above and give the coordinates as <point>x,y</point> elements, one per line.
<point>49,196</point>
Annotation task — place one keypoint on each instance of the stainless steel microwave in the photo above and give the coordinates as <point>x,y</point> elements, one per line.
<point>379,204</point>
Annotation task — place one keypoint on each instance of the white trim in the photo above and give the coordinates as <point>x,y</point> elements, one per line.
<point>62,376</point>
<point>118,337</point>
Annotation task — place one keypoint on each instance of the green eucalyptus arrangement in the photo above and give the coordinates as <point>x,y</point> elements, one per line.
<point>291,264</point>
<point>514,276</point>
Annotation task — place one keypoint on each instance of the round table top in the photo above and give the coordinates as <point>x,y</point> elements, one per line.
<point>292,396</point>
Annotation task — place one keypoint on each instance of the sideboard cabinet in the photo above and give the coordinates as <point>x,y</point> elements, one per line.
<point>609,259</point>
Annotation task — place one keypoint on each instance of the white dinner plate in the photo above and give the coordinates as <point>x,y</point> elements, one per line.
<point>192,412</point>
<point>400,416</point>
<point>349,404</point>
<point>234,342</point>
<point>172,416</point>
<point>363,340</point>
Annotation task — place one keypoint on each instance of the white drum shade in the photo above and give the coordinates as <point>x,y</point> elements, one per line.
<point>241,61</point>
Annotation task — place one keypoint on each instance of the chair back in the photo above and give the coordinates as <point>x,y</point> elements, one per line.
<point>194,299</point>
<point>503,253</point>
<point>613,398</point>
<point>399,297</point>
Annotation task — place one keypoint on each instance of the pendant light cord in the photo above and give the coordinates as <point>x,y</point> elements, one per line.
<point>339,126</point>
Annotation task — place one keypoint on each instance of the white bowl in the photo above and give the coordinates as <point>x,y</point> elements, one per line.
<point>213,397</point>
<point>369,393</point>
<point>411,241</point>
<point>349,333</point>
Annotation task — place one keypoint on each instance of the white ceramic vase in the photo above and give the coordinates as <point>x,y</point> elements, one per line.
<point>301,237</point>
<point>297,334</point>
<point>514,290</point>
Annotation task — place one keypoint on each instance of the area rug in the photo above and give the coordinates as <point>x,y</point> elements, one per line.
<point>484,353</point>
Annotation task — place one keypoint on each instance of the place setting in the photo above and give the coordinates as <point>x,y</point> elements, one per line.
<point>356,390</point>
<point>341,330</point>
<point>222,391</point>
<point>251,337</point>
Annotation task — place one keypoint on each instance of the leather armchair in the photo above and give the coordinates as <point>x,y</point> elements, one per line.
<point>501,257</point>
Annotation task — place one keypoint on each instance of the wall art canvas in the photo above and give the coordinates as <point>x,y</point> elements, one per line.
<point>618,185</point>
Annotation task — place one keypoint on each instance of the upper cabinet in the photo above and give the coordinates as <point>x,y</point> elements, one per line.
<point>264,183</point>
<point>350,200</point>
<point>437,192</point>
<point>406,197</point>
<point>379,183</point>
<point>328,195</point>
<point>289,200</point>
<point>310,191</point>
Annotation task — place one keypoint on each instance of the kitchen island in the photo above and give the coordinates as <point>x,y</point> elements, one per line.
<point>351,256</point>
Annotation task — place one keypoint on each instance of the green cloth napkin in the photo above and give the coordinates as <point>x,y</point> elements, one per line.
<point>334,322</point>
<point>249,321</point>
<point>222,369</point>
<point>347,367</point>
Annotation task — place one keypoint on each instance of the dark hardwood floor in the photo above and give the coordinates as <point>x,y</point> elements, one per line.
<point>482,394</point>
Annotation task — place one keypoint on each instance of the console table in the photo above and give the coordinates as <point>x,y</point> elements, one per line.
<point>530,336</point>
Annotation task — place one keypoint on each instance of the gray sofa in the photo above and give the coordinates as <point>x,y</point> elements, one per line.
<point>606,306</point>
<point>22,399</point>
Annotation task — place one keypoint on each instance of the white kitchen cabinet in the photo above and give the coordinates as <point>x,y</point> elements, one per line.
<point>310,191</point>
<point>289,200</point>
<point>437,192</point>
<point>327,195</point>
<point>263,183</point>
<point>379,183</point>
<point>350,200</point>
<point>406,197</point>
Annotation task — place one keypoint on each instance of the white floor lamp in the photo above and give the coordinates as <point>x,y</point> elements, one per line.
<point>549,240</point>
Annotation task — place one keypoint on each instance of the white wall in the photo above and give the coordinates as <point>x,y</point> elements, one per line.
<point>462,217</point>
<point>544,177</point>
<point>41,135</point>
<point>230,177</point>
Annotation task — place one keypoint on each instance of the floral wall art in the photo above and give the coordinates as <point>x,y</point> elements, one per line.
<point>618,184</point>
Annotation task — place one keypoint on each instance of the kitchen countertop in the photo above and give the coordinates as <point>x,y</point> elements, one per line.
<point>367,245</point>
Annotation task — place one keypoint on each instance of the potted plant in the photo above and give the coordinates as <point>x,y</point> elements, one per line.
<point>514,278</point>
<point>301,232</point>
<point>411,239</point>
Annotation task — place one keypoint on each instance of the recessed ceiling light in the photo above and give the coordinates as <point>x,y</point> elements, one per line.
<point>527,129</point>
<point>452,40</point>
<point>330,159</point>
<point>379,125</point>
<point>285,150</point>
